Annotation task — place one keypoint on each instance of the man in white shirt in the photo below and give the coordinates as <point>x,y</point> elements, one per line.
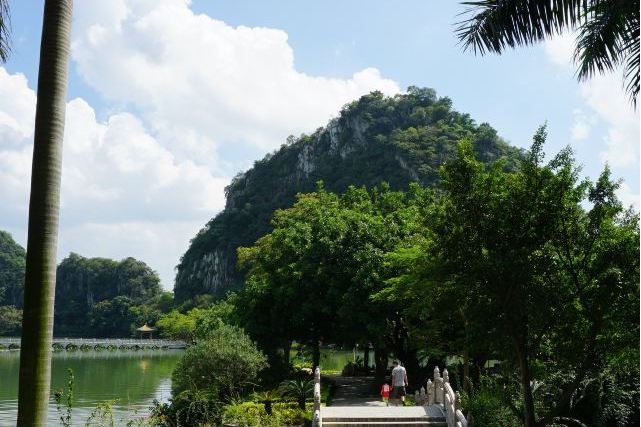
<point>399,382</point>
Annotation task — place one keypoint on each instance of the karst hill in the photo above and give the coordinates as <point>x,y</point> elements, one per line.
<point>397,140</point>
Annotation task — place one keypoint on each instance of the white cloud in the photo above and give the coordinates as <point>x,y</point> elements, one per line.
<point>581,128</point>
<point>605,96</point>
<point>628,196</point>
<point>560,50</point>
<point>142,184</point>
<point>197,76</point>
<point>116,179</point>
<point>606,117</point>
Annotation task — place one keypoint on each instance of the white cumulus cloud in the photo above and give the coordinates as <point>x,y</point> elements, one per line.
<point>607,107</point>
<point>116,177</point>
<point>202,83</point>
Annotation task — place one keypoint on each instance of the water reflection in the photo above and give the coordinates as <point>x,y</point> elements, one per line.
<point>129,379</point>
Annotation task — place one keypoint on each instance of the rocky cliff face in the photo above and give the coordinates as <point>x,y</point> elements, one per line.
<point>397,140</point>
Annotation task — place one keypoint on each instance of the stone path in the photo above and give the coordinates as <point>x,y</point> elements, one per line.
<point>354,405</point>
<point>355,391</point>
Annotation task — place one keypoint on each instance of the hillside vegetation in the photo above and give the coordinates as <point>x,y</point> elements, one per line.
<point>398,140</point>
<point>95,297</point>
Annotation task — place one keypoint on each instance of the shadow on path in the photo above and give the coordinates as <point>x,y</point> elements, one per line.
<point>355,391</point>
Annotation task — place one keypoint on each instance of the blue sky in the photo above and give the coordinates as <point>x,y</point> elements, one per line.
<point>169,99</point>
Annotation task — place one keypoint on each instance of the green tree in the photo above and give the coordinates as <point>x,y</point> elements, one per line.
<point>10,320</point>
<point>40,273</point>
<point>325,258</point>
<point>293,267</point>
<point>179,326</point>
<point>608,31</point>
<point>12,263</point>
<point>84,282</point>
<point>112,318</point>
<point>222,365</point>
<point>542,275</point>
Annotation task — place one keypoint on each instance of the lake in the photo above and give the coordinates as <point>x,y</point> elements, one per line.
<point>130,379</point>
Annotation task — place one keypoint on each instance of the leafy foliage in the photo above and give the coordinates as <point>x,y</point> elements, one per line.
<point>249,414</point>
<point>12,263</point>
<point>526,265</point>
<point>94,296</point>
<point>10,320</point>
<point>105,297</point>
<point>299,389</point>
<point>540,282</point>
<point>222,365</point>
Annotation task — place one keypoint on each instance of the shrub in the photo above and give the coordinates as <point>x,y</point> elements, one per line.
<point>189,408</point>
<point>222,364</point>
<point>252,414</point>
<point>487,405</point>
<point>299,389</point>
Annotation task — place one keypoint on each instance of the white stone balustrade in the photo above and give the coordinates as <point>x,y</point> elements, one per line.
<point>440,392</point>
<point>316,420</point>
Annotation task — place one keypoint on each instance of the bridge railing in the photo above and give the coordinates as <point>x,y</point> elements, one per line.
<point>93,342</point>
<point>316,420</point>
<point>440,392</point>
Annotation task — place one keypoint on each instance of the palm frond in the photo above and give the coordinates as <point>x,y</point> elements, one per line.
<point>632,59</point>
<point>599,43</point>
<point>609,38</point>
<point>5,31</point>
<point>499,24</point>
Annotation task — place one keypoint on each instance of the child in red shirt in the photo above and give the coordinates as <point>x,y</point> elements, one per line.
<point>385,389</point>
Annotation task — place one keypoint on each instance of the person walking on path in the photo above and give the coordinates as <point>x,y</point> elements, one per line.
<point>399,382</point>
<point>385,389</point>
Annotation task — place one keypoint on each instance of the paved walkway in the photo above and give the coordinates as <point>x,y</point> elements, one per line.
<point>355,405</point>
<point>384,413</point>
<point>355,391</point>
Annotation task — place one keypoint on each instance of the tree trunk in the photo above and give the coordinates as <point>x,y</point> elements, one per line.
<point>466,352</point>
<point>524,366</point>
<point>44,204</point>
<point>381,360</point>
<point>287,349</point>
<point>366,357</point>
<point>466,370</point>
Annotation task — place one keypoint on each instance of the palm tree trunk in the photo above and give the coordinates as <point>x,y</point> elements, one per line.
<point>40,274</point>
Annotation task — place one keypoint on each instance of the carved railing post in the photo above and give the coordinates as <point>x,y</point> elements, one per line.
<point>438,386</point>
<point>430,392</point>
<point>317,421</point>
<point>440,392</point>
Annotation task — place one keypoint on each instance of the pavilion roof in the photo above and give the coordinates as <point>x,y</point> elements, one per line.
<point>146,328</point>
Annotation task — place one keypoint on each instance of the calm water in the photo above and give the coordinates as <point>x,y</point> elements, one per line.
<point>130,379</point>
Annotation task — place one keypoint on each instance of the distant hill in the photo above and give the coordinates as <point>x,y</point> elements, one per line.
<point>96,297</point>
<point>398,140</point>
<point>91,293</point>
<point>12,262</point>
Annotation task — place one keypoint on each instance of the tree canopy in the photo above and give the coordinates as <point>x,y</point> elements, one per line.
<point>523,264</point>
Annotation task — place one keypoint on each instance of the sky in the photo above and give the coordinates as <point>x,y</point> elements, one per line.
<point>169,99</point>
